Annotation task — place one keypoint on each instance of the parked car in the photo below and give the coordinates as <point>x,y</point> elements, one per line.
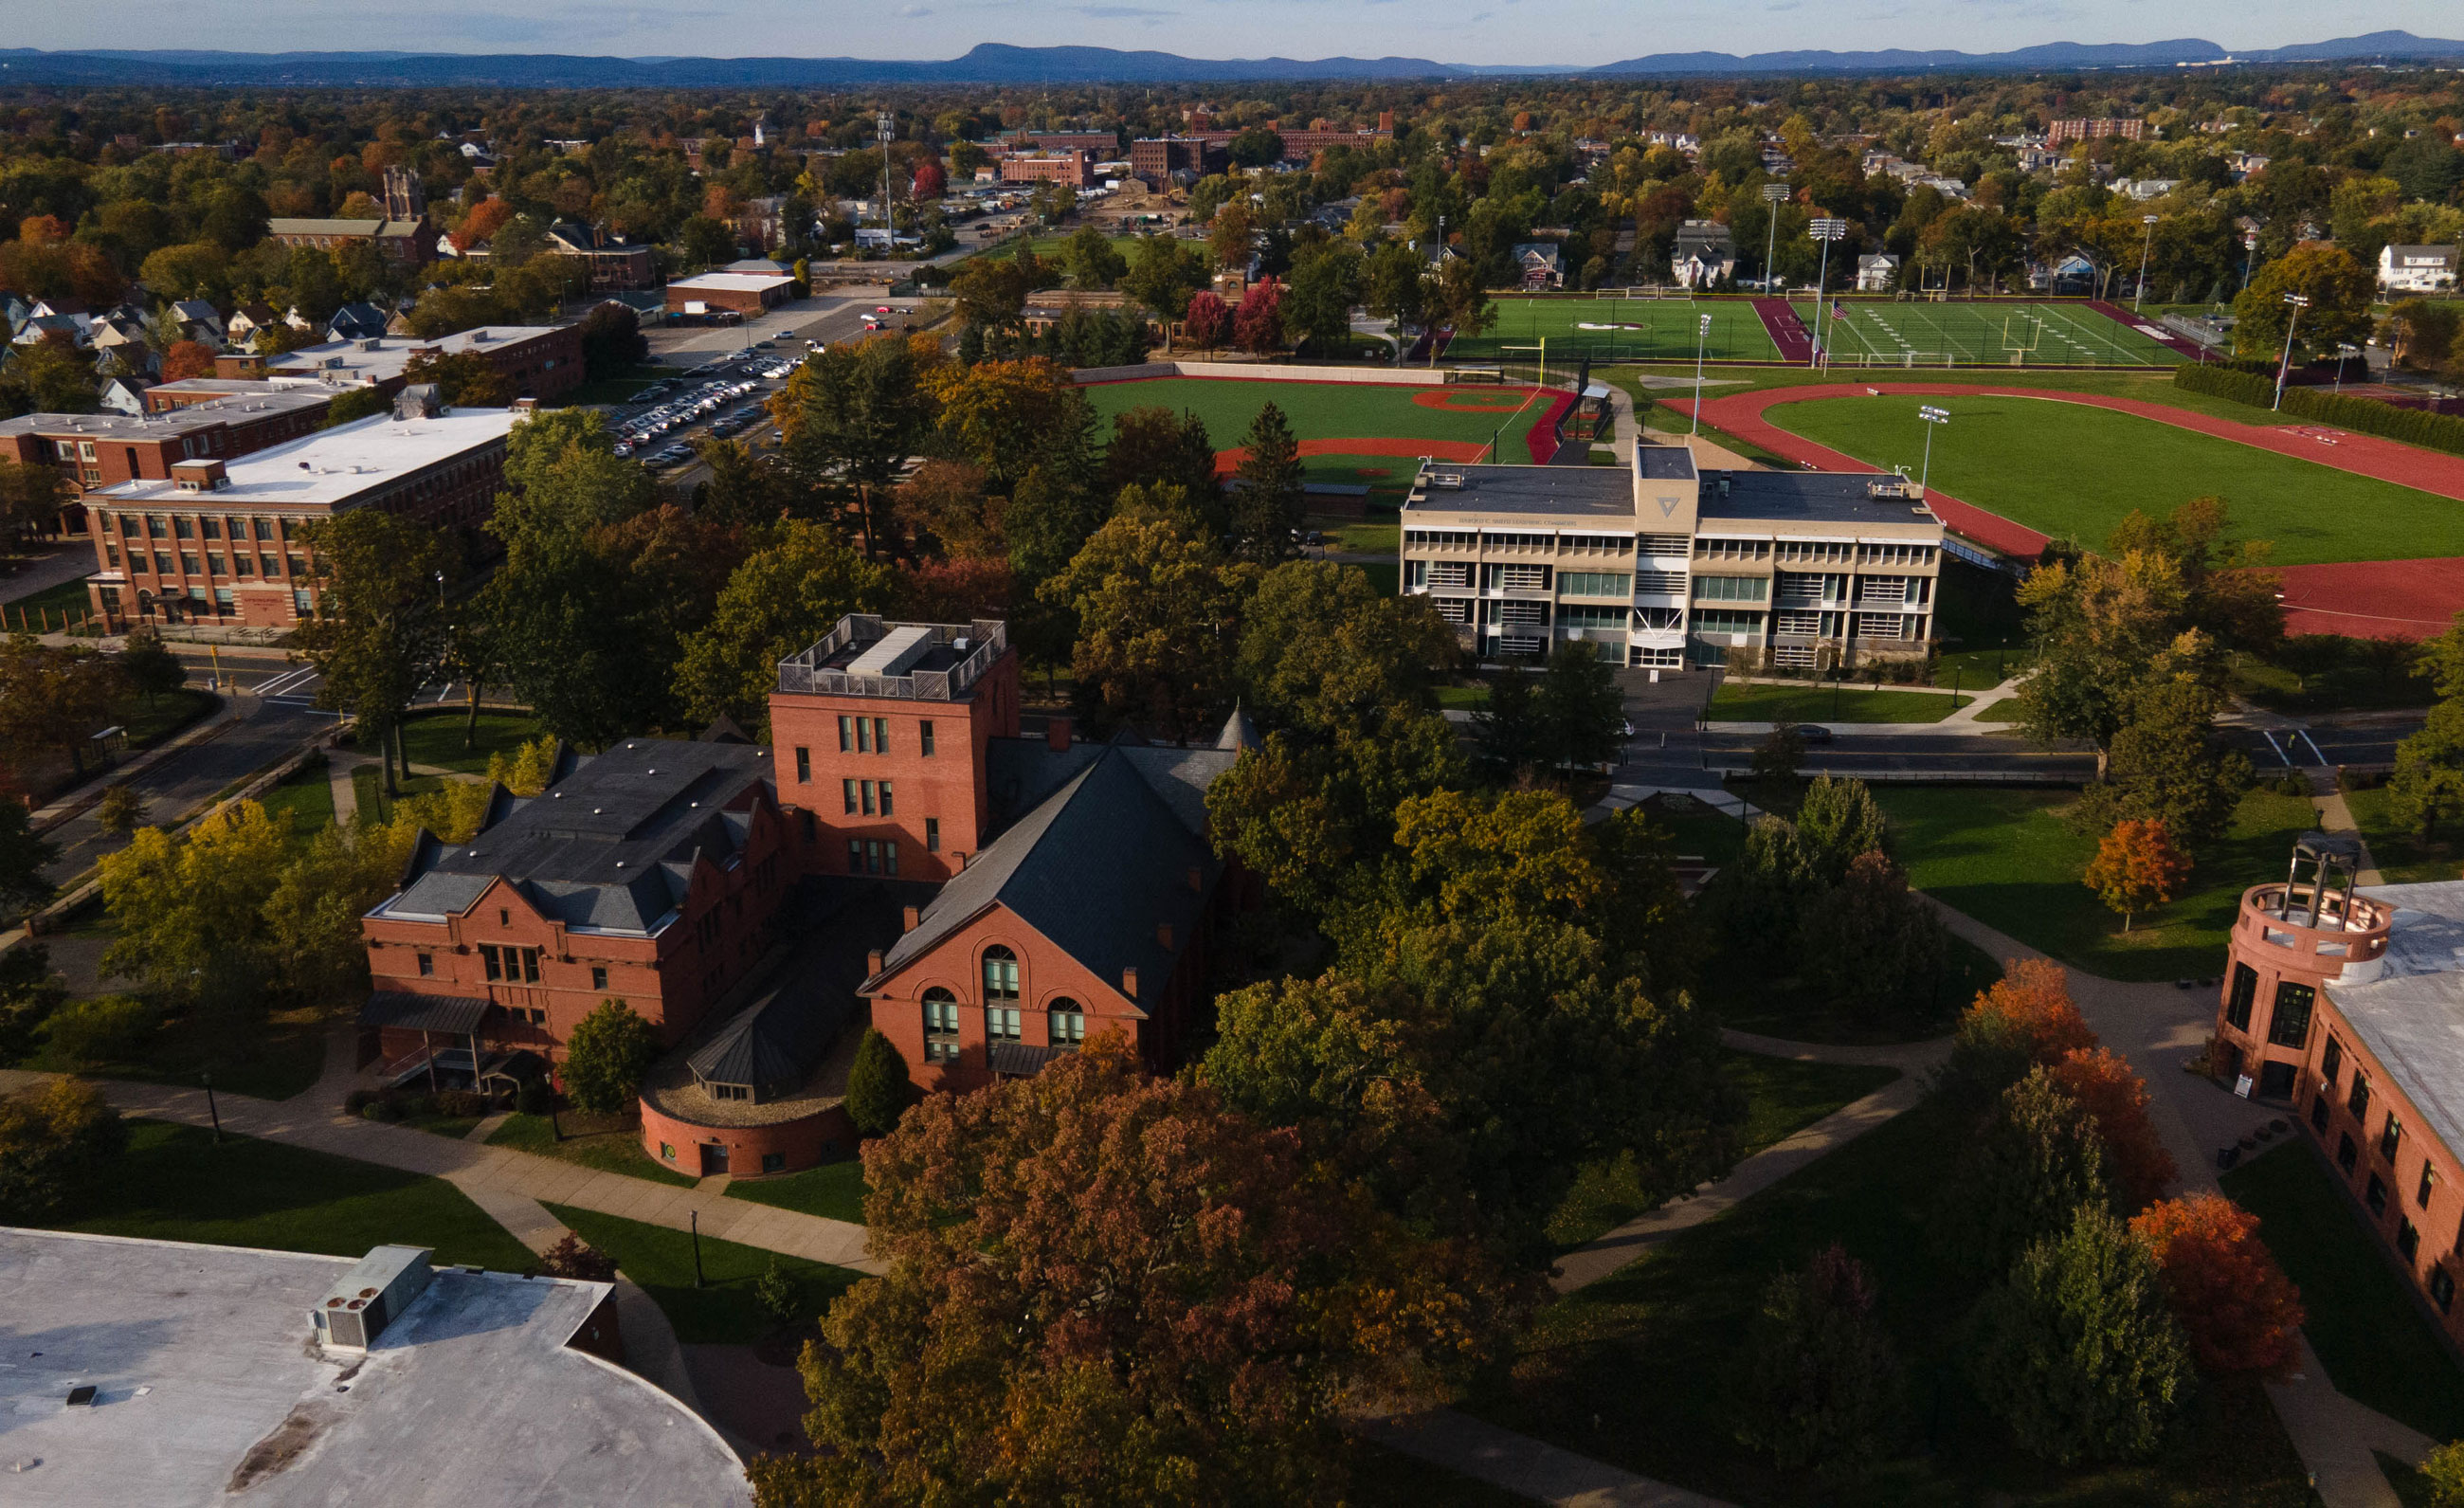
<point>1812,733</point>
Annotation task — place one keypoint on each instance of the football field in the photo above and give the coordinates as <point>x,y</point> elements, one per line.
<point>1915,335</point>
<point>1609,328</point>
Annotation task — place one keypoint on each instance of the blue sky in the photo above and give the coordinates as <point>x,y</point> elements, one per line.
<point>1553,32</point>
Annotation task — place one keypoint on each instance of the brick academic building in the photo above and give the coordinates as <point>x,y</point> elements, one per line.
<point>95,450</point>
<point>905,856</point>
<point>2346,1007</point>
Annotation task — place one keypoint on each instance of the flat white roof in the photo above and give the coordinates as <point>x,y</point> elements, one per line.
<point>208,1388</point>
<point>348,364</point>
<point>332,466</point>
<point>235,408</point>
<point>733,282</point>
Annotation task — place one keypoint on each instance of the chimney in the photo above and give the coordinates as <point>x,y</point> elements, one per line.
<point>872,962</point>
<point>1056,733</point>
<point>1195,881</point>
<point>1129,982</point>
<point>907,919</point>
<point>1163,936</point>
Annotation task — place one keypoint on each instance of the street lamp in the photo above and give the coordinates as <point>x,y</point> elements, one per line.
<point>2249,250</point>
<point>1702,335</point>
<point>1825,229</point>
<point>1774,196</point>
<point>885,127</point>
<point>1932,416</point>
<point>2298,303</point>
<point>2146,244</point>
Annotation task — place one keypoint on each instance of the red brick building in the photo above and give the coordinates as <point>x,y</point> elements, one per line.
<point>1156,160</point>
<point>95,451</point>
<point>2346,1007</point>
<point>745,293</point>
<point>1072,167</point>
<point>537,361</point>
<point>614,262</point>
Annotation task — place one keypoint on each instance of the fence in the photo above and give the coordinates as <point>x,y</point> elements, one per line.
<point>1265,371</point>
<point>2438,431</point>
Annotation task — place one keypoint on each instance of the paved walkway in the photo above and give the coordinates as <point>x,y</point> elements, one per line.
<point>1519,1464</point>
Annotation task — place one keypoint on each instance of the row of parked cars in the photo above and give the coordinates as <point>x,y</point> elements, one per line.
<point>638,435</point>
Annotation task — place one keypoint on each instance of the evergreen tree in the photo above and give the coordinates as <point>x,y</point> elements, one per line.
<point>2019,1179</point>
<point>879,1088</point>
<point>1268,501</point>
<point>1840,821</point>
<point>1870,944</point>
<point>1819,1384</point>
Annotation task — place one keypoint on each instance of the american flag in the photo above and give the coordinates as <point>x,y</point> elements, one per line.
<point>1836,312</point>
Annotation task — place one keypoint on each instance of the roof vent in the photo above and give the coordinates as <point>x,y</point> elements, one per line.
<point>620,863</point>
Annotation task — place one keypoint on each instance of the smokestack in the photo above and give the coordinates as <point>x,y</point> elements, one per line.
<point>1163,934</point>
<point>872,962</point>
<point>907,919</point>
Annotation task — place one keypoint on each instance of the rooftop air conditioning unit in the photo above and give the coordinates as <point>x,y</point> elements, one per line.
<point>371,1296</point>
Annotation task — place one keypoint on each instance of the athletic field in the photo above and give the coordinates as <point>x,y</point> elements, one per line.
<point>1617,329</point>
<point>1890,334</point>
<point>2071,471</point>
<point>1354,434</point>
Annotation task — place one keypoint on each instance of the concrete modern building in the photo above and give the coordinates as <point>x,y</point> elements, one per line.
<point>2345,1005</point>
<point>165,1372</point>
<point>1664,566</point>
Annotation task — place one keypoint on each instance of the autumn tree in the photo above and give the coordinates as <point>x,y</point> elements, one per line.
<point>189,908</point>
<point>1152,444</point>
<point>2240,1313</point>
<point>2116,1098</point>
<point>1258,324</point>
<point>2018,1178</point>
<point>188,359</point>
<point>1009,417</point>
<point>54,1137</point>
<point>1155,608</point>
<point>1819,1385</point>
<point>943,509</point>
<point>1269,500</point>
<point>605,1058</point>
<point>379,628</point>
<point>1206,320</point>
<point>2034,998</point>
<point>2136,868</point>
<point>779,602</point>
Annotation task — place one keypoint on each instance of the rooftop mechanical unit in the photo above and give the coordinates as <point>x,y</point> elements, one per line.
<point>371,1296</point>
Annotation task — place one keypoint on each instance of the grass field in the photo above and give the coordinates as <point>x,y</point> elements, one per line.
<point>833,1190</point>
<point>307,793</point>
<point>435,738</point>
<point>2404,859</point>
<point>1980,334</point>
<point>2073,472</point>
<point>1634,330</point>
<point>719,1310</point>
<point>1328,412</point>
<point>50,608</point>
<point>609,1144</point>
<point>1819,703</point>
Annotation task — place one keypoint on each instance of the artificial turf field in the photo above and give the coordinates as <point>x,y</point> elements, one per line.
<point>1638,329</point>
<point>1395,426</point>
<point>1982,335</point>
<point>2071,471</point>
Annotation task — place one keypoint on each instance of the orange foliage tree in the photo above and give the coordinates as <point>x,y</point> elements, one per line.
<point>486,218</point>
<point>188,359</point>
<point>2034,998</point>
<point>2103,1082</point>
<point>2238,1307</point>
<point>2137,867</point>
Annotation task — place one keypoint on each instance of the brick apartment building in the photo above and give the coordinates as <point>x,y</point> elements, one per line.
<point>615,263</point>
<point>2056,132</point>
<point>537,361</point>
<point>218,540</point>
<point>745,293</point>
<point>1073,167</point>
<point>1100,146</point>
<point>1156,159</point>
<point>2346,1007</point>
<point>95,451</point>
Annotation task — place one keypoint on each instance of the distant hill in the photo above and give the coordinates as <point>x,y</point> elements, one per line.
<point>996,63</point>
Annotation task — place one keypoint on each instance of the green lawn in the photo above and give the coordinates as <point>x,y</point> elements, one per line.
<point>1832,703</point>
<point>177,1185</point>
<point>2320,674</point>
<point>2075,472</point>
<point>49,609</point>
<point>1697,830</point>
<point>1643,329</point>
<point>616,389</point>
<point>1382,535</point>
<point>2373,1339</point>
<point>1463,699</point>
<point>2402,857</point>
<point>151,722</point>
<point>2007,710</point>
<point>367,787</point>
<point>1385,576</point>
<point>1769,1000</point>
<point>720,1311</point>
<point>1635,1369</point>
<point>307,793</point>
<point>833,1190</point>
<point>609,1144</point>
<point>2005,858</point>
<point>1782,1098</point>
<point>275,1060</point>
<point>1329,414</point>
<point>435,738</point>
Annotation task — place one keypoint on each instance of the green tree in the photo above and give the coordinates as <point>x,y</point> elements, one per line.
<point>2339,290</point>
<point>379,630</point>
<point>2096,629</point>
<point>705,242</point>
<point>1150,445</point>
<point>787,595</point>
<point>878,1088</point>
<point>32,497</point>
<point>1579,708</point>
<point>190,909</point>
<point>24,855</point>
<point>1778,766</point>
<point>1393,284</point>
<point>1506,732</point>
<point>356,403</point>
<point>1091,260</point>
<point>1155,612</point>
<point>775,1296</point>
<point>1318,298</point>
<point>2076,1351</point>
<point>101,1029</point>
<point>612,340</point>
<point>2442,1469</point>
<point>121,811</point>
<point>605,1058</point>
<point>1322,648</point>
<point>1268,500</point>
<point>863,417</point>
<point>1820,1387</point>
<point>2017,1180</point>
<point>51,701</point>
<point>148,663</point>
<point>1162,276</point>
<point>1460,301</point>
<point>54,1137</point>
<point>2165,765</point>
<point>29,992</point>
<point>2428,786</point>
<point>1870,944</point>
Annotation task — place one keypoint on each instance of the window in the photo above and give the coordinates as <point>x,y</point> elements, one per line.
<point>2442,1288</point>
<point>504,917</point>
<point>189,563</point>
<point>1595,583</point>
<point>872,857</point>
<point>2290,1025</point>
<point>924,737</point>
<point>2375,1195</point>
<point>598,976</point>
<point>1713,620</point>
<point>2408,1241</point>
<point>2318,1115</point>
<point>2391,1136</point>
<point>265,528</point>
<point>1000,1024</point>
<point>214,564</point>
<point>667,1151</point>
<point>847,734</point>
<point>184,528</point>
<point>428,970</point>
<point>243,563</point>
<point>1001,975</point>
<point>2245,989</point>
<point>931,835</point>
<point>774,1162</point>
<point>530,962</point>
<point>887,809</point>
<point>1730,589</point>
<point>855,856</point>
<point>2346,1154</point>
<point>880,735</point>
<point>2429,1185</point>
<point>890,859</point>
<point>268,565</point>
<point>846,797</point>
<point>804,765</point>
<point>2331,1060</point>
<point>2358,1101</point>
<point>731,1092</point>
<point>162,564</point>
<point>1066,1026</point>
<point>211,528</point>
<point>489,962</point>
<point>941,1027</point>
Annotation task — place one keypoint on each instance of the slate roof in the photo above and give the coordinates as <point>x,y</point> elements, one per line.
<point>799,1005</point>
<point>609,846</point>
<point>1021,773</point>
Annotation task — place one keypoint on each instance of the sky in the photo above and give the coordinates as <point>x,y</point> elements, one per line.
<point>1572,33</point>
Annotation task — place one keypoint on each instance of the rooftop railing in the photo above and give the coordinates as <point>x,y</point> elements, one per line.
<point>987,638</point>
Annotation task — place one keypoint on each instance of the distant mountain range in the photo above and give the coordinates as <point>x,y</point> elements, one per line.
<point>994,63</point>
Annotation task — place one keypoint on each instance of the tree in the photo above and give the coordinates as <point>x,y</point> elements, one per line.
<point>1258,324</point>
<point>2428,786</point>
<point>1152,446</point>
<point>1206,320</point>
<point>779,602</point>
<point>29,992</point>
<point>1091,260</point>
<point>1155,608</point>
<point>2115,1096</point>
<point>1257,146</point>
<point>188,359</point>
<point>929,181</point>
<point>1840,822</point>
<point>1870,943</point>
<point>56,377</point>
<point>574,1258</point>
<point>605,1058</point>
<point>1325,652</point>
<point>463,379</point>
<point>878,1088</point>
<point>705,242</point>
<point>1461,300</point>
<point>1097,1256</point>
<point>32,497</point>
<point>1317,301</point>
<point>121,811</point>
<point>2096,629</point>
<point>356,403</point>
<point>24,855</point>
<point>775,1296</point>
<point>189,908</point>
<point>380,628</point>
<point>1164,277</point>
<point>2239,1310</point>
<point>1506,732</point>
<point>2076,1351</point>
<point>1821,1385</point>
<point>53,1137</point>
<point>1579,709</point>
<point>1269,500</point>
<point>612,340</point>
<point>528,770</point>
<point>2137,867</point>
<point>1010,417</point>
<point>2443,1469</point>
<point>2339,290</point>
<point>148,664</point>
<point>2163,763</point>
<point>51,701</point>
<point>1776,768</point>
<point>2032,997</point>
<point>2018,1181</point>
<point>1393,284</point>
<point>101,1029</point>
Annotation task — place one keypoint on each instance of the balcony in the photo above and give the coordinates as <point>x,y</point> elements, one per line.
<point>2346,940</point>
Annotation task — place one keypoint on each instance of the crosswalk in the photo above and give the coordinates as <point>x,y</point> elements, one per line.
<point>290,688</point>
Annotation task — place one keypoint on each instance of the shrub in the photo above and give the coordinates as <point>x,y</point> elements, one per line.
<point>775,1296</point>
<point>106,1029</point>
<point>606,1057</point>
<point>1820,1387</point>
<point>51,1137</point>
<point>2442,1469</point>
<point>2239,1310</point>
<point>2033,995</point>
<point>358,1100</point>
<point>2076,1351</point>
<point>535,1100</point>
<point>460,1104</point>
<point>879,1090</point>
<point>384,1107</point>
<point>571,1257</point>
<point>2020,1178</point>
<point>2439,432</point>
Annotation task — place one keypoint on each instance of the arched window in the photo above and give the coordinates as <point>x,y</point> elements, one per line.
<point>941,1027</point>
<point>1001,995</point>
<point>1067,1024</point>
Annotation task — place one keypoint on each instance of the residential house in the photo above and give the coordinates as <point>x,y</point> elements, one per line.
<point>1540,264</point>
<point>1705,254</point>
<point>1877,272</point>
<point>2417,269</point>
<point>125,395</point>
<point>357,321</point>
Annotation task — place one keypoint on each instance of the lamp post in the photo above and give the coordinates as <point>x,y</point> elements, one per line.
<point>2344,352</point>
<point>213,1113</point>
<point>885,128</point>
<point>1702,333</point>
<point>1932,416</point>
<point>1825,229</point>
<point>1774,196</point>
<point>2283,368</point>
<point>2147,244</point>
<point>2249,250</point>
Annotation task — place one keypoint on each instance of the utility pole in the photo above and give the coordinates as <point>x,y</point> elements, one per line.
<point>1932,416</point>
<point>2285,367</point>
<point>885,127</point>
<point>2249,250</point>
<point>2147,244</point>
<point>1825,229</point>
<point>1774,196</point>
<point>1701,335</point>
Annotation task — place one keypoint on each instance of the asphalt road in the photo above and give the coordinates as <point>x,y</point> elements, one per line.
<point>1906,753</point>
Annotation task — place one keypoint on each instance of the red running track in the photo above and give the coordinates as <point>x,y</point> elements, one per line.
<point>2379,599</point>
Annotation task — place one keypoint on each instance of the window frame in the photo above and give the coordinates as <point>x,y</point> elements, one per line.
<point>2242,999</point>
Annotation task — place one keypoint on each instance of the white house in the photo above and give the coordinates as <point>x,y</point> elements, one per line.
<point>2417,269</point>
<point>1705,254</point>
<point>1540,264</point>
<point>1876,272</point>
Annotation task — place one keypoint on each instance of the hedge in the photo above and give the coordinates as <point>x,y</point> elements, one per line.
<point>2439,432</point>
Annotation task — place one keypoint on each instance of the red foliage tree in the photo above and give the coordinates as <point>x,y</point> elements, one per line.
<point>953,591</point>
<point>1258,324</point>
<point>931,182</point>
<point>486,218</point>
<point>2034,996</point>
<point>2103,1082</point>
<point>188,359</point>
<point>1207,319</point>
<point>2238,1307</point>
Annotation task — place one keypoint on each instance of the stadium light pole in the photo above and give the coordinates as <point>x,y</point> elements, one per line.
<point>1702,335</point>
<point>1774,196</point>
<point>2298,303</point>
<point>886,128</point>
<point>2147,244</point>
<point>1825,229</point>
<point>2249,250</point>
<point>1932,416</point>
